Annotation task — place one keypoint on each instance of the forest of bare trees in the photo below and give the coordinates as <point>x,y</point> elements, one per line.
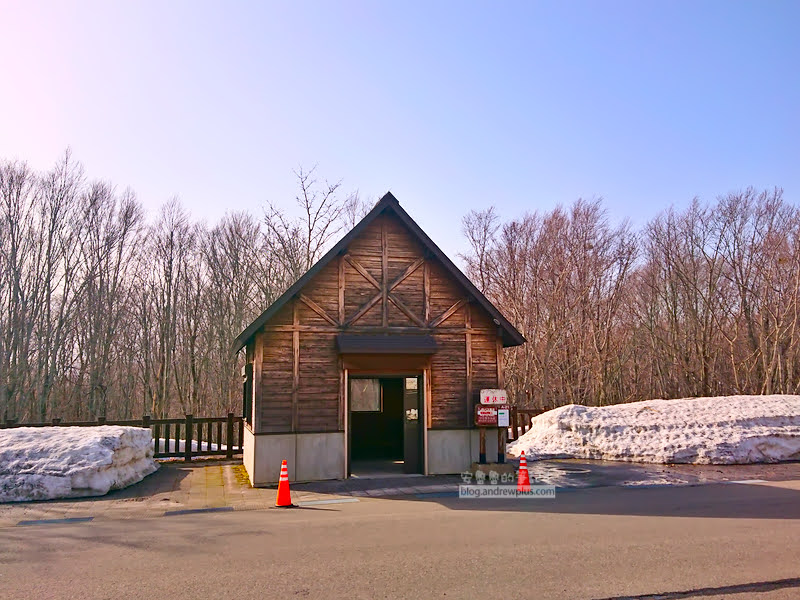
<point>104,312</point>
<point>701,301</point>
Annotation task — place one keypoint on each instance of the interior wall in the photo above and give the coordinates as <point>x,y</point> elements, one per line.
<point>379,435</point>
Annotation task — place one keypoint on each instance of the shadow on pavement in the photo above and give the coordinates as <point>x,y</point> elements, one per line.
<point>723,501</point>
<point>167,479</point>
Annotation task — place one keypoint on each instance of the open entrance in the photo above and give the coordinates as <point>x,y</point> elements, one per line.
<point>385,425</point>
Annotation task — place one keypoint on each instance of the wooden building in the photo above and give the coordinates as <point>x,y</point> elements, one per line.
<point>376,354</point>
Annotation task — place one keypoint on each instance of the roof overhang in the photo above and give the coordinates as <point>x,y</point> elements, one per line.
<point>354,343</point>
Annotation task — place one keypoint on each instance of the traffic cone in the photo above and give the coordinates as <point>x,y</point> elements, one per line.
<point>284,496</point>
<point>523,478</point>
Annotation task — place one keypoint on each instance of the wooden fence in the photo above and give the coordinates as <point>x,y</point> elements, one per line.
<point>520,419</point>
<point>174,438</point>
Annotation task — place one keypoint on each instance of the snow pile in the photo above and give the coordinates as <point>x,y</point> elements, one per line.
<point>722,430</point>
<point>42,463</point>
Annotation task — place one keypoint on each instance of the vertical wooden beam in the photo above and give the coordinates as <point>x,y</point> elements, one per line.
<point>384,275</point>
<point>428,397</point>
<point>500,382</point>
<point>295,363</point>
<point>426,292</point>
<point>426,417</point>
<point>341,290</point>
<point>342,393</point>
<point>468,340</point>
<point>346,405</point>
<point>258,359</point>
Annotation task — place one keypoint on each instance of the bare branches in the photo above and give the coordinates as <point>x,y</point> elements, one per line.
<point>298,242</point>
<point>704,301</point>
<point>102,313</point>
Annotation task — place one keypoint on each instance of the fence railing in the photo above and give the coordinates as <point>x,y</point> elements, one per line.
<point>173,438</point>
<point>520,419</point>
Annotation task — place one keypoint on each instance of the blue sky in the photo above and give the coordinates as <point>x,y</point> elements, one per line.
<point>451,105</point>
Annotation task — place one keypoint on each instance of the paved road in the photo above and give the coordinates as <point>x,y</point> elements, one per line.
<point>586,544</point>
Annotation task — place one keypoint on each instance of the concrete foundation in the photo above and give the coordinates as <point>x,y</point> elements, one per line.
<point>320,456</point>
<point>310,456</point>
<point>454,450</point>
<point>248,453</point>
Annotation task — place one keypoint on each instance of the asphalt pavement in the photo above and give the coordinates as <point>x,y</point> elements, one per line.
<point>710,541</point>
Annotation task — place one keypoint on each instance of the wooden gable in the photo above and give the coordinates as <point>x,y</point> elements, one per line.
<point>384,279</point>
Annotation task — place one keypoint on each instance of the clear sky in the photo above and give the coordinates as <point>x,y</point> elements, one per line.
<point>451,105</point>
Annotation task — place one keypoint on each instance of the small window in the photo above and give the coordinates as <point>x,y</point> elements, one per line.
<point>365,395</point>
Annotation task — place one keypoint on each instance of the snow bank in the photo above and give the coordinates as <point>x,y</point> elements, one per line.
<point>722,430</point>
<point>42,463</point>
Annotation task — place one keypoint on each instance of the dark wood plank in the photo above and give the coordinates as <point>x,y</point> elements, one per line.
<point>365,308</point>
<point>405,310</point>
<point>500,380</point>
<point>468,343</point>
<point>258,357</point>
<point>406,274</point>
<point>426,292</point>
<point>295,367</point>
<point>448,313</point>
<point>317,309</point>
<point>362,271</point>
<point>384,274</point>
<point>342,282</point>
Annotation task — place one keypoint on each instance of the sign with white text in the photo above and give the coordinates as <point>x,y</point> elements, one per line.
<point>486,416</point>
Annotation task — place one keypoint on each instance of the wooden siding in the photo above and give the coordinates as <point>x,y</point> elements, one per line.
<point>384,282</point>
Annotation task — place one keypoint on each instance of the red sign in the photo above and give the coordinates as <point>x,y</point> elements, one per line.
<point>486,416</point>
<point>494,397</point>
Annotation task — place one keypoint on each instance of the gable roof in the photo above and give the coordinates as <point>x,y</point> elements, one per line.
<point>510,335</point>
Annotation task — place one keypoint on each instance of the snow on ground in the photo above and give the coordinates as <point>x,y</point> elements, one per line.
<point>721,430</point>
<point>41,463</point>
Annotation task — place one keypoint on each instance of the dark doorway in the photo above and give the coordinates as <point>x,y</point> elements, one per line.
<point>385,430</point>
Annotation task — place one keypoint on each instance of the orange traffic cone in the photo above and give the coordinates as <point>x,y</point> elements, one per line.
<point>284,496</point>
<point>523,478</point>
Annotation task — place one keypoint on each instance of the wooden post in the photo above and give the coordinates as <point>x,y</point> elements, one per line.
<point>200,439</point>
<point>295,364</point>
<point>428,397</point>
<point>482,455</point>
<point>500,381</point>
<point>187,449</point>
<point>501,445</point>
<point>341,290</point>
<point>258,358</point>
<point>146,421</point>
<point>468,339</point>
<point>426,292</point>
<point>157,438</point>
<point>342,395</point>
<point>513,420</point>
<point>229,440</point>
<point>384,275</point>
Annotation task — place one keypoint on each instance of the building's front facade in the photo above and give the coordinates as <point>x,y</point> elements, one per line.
<point>375,356</point>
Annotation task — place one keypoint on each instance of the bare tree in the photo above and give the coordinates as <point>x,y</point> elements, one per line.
<point>479,227</point>
<point>298,242</point>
